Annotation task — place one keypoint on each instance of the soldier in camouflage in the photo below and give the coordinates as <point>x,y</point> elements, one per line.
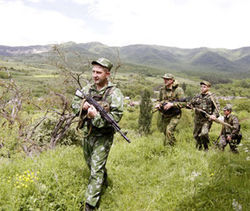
<point>98,134</point>
<point>207,102</point>
<point>229,135</point>
<point>167,121</point>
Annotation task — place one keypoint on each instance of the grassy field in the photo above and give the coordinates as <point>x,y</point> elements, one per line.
<point>143,175</point>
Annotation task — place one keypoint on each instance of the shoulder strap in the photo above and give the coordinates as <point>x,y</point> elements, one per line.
<point>108,92</point>
<point>215,105</point>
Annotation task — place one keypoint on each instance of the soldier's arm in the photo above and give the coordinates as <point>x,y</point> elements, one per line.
<point>236,127</point>
<point>116,110</point>
<point>180,96</point>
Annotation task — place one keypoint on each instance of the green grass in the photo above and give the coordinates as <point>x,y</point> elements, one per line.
<point>143,175</point>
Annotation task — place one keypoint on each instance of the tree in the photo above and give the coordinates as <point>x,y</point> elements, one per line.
<point>145,117</point>
<point>184,86</point>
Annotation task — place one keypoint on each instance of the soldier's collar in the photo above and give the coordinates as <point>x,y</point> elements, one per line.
<point>110,84</point>
<point>228,115</point>
<point>167,88</point>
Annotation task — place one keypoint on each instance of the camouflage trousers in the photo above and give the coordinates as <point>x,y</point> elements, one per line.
<point>201,130</point>
<point>96,150</point>
<point>167,126</point>
<point>223,143</point>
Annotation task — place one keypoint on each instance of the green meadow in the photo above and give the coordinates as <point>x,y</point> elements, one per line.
<point>143,175</point>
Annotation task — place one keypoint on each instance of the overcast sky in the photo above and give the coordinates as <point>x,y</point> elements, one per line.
<point>176,23</point>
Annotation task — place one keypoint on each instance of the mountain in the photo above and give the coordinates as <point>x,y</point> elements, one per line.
<point>206,60</point>
<point>23,50</point>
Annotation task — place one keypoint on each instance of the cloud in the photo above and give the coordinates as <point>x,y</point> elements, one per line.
<point>180,23</point>
<point>22,25</point>
<point>187,23</point>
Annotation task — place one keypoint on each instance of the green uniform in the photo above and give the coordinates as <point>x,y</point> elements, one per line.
<point>167,122</point>
<point>208,103</point>
<point>233,132</point>
<point>99,136</point>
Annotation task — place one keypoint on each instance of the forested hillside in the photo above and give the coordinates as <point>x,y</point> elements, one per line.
<point>224,62</point>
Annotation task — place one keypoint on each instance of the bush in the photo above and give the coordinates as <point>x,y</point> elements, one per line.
<point>44,132</point>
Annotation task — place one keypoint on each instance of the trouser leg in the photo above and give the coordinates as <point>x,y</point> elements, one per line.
<point>204,134</point>
<point>222,143</point>
<point>233,146</point>
<point>196,132</point>
<point>96,157</point>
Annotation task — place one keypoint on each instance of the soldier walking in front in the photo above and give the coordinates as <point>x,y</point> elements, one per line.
<point>170,117</point>
<point>98,134</point>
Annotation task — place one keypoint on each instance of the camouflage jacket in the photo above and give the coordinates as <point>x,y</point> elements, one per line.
<point>208,103</point>
<point>114,99</point>
<point>173,94</point>
<point>232,120</point>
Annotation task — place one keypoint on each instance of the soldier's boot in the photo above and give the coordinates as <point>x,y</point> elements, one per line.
<point>88,207</point>
<point>105,179</point>
<point>234,149</point>
<point>198,144</point>
<point>205,146</point>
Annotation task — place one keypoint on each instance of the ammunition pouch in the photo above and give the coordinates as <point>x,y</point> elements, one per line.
<point>173,111</point>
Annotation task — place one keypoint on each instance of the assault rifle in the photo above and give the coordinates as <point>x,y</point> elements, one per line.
<point>216,120</point>
<point>102,112</point>
<point>173,110</point>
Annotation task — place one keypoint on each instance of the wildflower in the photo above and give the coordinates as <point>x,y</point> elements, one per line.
<point>212,174</point>
<point>194,174</point>
<point>236,205</point>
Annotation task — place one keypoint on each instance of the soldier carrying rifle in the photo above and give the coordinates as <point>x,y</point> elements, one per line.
<point>98,132</point>
<point>206,111</point>
<point>169,108</point>
<point>230,135</point>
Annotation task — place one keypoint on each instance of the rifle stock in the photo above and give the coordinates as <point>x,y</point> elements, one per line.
<point>216,120</point>
<point>102,112</point>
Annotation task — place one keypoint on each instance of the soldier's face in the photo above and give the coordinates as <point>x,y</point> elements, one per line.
<point>168,81</point>
<point>204,88</point>
<point>226,112</point>
<point>100,75</point>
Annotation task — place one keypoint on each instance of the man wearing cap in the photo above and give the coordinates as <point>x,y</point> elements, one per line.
<point>169,119</point>
<point>207,102</point>
<point>98,134</point>
<point>231,136</point>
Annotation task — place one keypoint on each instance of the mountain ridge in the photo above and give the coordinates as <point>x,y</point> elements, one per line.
<point>157,56</point>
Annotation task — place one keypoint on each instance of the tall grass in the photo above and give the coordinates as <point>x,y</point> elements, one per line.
<point>143,175</point>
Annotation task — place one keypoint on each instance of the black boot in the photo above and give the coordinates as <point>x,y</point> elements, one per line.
<point>105,179</point>
<point>88,207</point>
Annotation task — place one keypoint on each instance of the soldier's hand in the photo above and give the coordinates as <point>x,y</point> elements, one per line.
<point>168,106</point>
<point>85,106</point>
<point>92,112</point>
<point>157,106</point>
<point>229,138</point>
<point>212,117</point>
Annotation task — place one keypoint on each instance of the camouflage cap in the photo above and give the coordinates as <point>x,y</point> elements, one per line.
<point>168,76</point>
<point>205,83</point>
<point>103,62</point>
<point>228,107</point>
